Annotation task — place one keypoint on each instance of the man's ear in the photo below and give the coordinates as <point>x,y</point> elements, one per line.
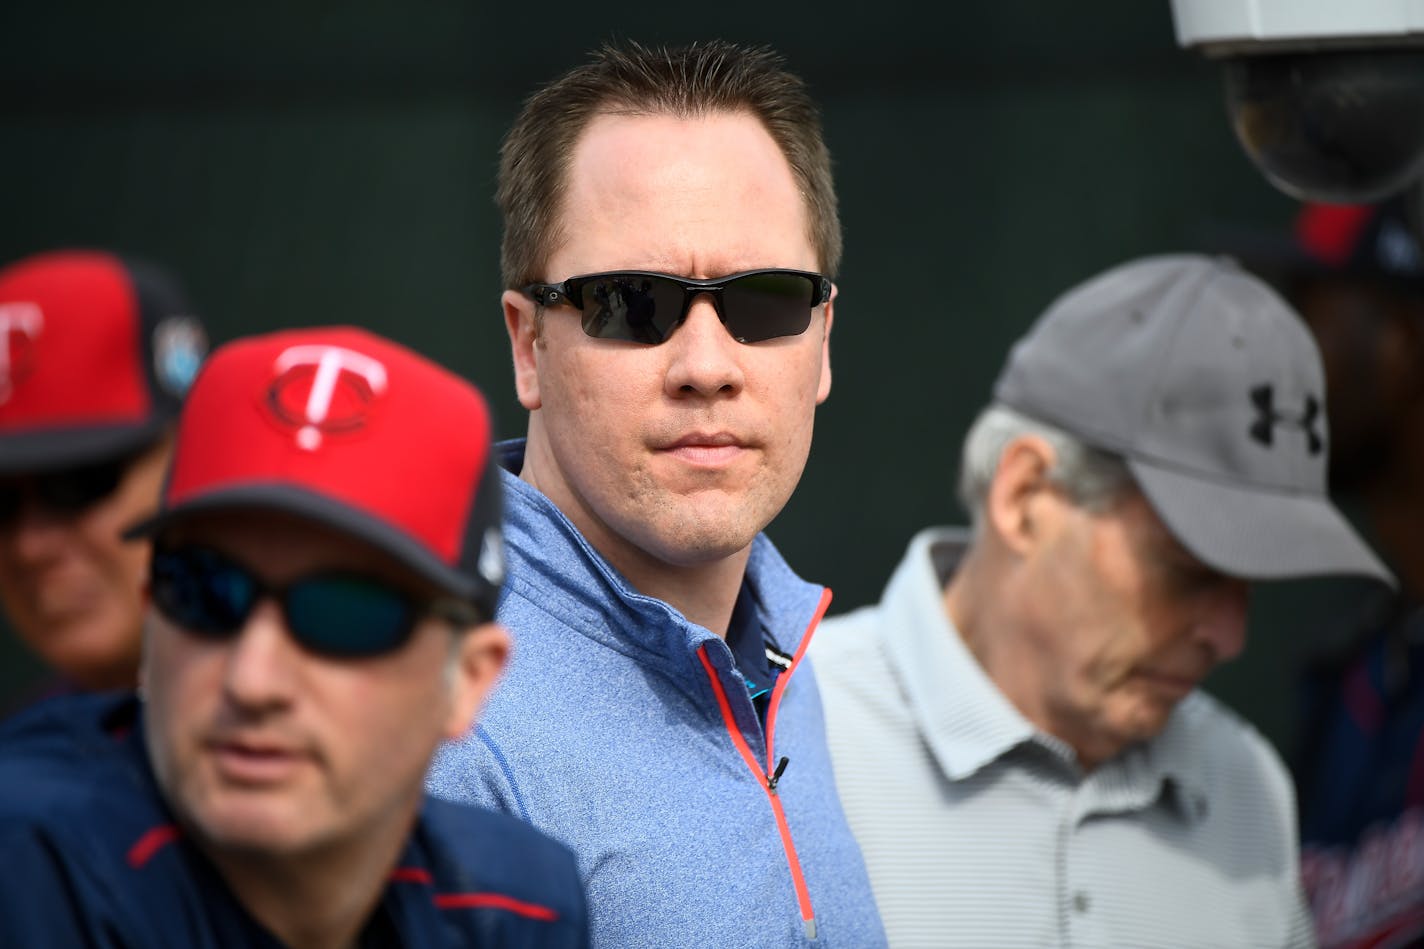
<point>145,653</point>
<point>1014,507</point>
<point>521,322</point>
<point>823,390</point>
<point>481,657</point>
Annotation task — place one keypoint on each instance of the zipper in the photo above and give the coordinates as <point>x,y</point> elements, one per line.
<point>769,775</point>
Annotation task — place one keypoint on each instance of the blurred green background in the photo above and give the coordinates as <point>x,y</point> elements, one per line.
<point>320,162</point>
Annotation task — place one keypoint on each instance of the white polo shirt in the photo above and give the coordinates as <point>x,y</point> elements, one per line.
<point>980,831</point>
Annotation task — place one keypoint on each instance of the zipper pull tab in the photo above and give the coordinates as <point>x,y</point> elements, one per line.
<point>776,775</point>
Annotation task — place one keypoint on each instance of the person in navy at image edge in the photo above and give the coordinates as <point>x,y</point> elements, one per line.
<point>316,627</point>
<point>1356,273</point>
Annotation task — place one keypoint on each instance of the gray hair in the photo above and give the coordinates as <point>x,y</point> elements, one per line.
<point>1092,478</point>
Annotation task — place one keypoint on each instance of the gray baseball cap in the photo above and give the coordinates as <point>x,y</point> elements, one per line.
<point>1210,387</point>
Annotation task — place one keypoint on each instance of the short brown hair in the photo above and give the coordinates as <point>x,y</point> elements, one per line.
<point>683,81</point>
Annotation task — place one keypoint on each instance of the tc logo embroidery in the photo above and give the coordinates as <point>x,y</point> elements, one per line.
<point>20,325</point>
<point>1263,397</point>
<point>339,386</point>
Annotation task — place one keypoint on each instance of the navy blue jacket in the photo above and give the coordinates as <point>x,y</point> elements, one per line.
<point>1360,778</point>
<point>91,857</point>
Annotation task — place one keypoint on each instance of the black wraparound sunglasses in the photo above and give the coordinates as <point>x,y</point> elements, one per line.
<point>642,307</point>
<point>68,492</point>
<point>343,615</point>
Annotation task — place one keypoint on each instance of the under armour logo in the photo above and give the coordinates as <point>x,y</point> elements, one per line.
<point>20,325</point>
<point>342,384</point>
<point>1263,429</point>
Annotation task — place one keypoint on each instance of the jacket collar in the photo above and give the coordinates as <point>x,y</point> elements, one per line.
<point>552,564</point>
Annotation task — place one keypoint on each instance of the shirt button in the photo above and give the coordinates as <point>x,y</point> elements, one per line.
<point>1081,902</point>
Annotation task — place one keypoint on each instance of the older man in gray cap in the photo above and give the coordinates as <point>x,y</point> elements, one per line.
<point>1016,728</point>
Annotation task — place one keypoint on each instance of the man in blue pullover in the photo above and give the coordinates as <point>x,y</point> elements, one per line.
<point>316,627</point>
<point>669,245</point>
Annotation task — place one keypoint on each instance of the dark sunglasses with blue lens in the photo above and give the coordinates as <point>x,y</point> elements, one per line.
<point>643,307</point>
<point>345,615</point>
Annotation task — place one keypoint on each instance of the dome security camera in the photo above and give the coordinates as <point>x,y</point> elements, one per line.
<point>1326,96</point>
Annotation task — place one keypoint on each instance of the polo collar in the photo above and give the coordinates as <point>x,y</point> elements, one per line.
<point>964,718</point>
<point>579,586</point>
<point>968,723</point>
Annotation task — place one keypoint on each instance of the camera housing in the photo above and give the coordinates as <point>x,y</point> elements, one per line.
<point>1326,97</point>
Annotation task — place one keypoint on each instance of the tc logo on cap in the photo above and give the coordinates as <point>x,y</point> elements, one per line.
<point>20,326</point>
<point>324,389</point>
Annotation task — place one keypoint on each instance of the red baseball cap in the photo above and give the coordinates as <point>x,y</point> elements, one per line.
<point>1382,243</point>
<point>96,353</point>
<point>345,428</point>
<point>1368,240</point>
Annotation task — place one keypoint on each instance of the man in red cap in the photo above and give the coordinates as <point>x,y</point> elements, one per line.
<point>316,627</point>
<point>96,353</point>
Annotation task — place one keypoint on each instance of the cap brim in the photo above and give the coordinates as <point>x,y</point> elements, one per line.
<point>289,499</point>
<point>54,448</point>
<point>1256,533</point>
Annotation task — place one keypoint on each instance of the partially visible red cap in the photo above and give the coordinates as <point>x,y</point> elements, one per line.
<point>1368,240</point>
<point>1331,232</point>
<point>351,430</point>
<point>96,353</point>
